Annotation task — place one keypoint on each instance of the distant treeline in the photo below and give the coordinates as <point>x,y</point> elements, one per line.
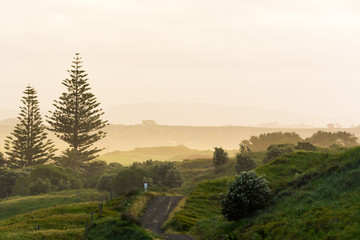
<point>319,139</point>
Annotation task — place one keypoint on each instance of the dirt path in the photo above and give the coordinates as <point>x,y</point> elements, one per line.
<point>156,214</point>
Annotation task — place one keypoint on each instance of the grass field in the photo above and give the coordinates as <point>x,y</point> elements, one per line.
<point>315,197</point>
<point>18,205</point>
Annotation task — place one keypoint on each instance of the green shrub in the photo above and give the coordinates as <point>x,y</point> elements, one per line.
<point>8,180</point>
<point>247,193</point>
<point>59,177</point>
<point>275,151</point>
<point>128,179</point>
<point>306,146</point>
<point>21,187</point>
<point>173,178</point>
<point>105,183</point>
<point>39,186</point>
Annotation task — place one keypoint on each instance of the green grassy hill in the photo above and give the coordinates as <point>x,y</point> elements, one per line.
<point>68,221</point>
<point>19,205</point>
<point>177,153</point>
<point>316,196</point>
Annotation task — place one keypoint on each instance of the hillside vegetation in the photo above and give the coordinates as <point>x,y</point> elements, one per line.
<point>315,196</point>
<point>19,204</point>
<point>118,220</point>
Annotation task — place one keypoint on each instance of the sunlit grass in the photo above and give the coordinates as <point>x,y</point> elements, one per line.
<point>19,204</point>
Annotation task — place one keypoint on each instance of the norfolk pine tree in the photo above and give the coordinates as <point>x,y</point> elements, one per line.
<point>29,144</point>
<point>77,119</point>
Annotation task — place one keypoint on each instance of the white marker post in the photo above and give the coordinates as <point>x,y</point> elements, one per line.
<point>145,186</point>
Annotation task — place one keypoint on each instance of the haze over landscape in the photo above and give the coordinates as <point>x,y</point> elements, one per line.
<point>179,119</point>
<point>296,62</point>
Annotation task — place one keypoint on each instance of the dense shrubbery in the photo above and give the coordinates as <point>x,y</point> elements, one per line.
<point>105,183</point>
<point>246,194</point>
<point>8,180</point>
<point>275,151</point>
<point>96,169</point>
<point>38,179</point>
<point>306,146</point>
<point>157,174</point>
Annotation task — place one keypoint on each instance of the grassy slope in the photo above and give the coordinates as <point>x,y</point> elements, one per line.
<point>156,153</point>
<point>195,171</point>
<point>19,205</point>
<point>68,221</point>
<point>316,197</point>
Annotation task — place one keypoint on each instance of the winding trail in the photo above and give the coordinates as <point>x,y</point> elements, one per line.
<point>156,214</point>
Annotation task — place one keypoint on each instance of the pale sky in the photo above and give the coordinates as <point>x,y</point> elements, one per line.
<point>301,57</point>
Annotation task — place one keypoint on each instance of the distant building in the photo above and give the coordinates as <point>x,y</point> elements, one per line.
<point>146,123</point>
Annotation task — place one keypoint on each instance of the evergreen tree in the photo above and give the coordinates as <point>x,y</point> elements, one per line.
<point>29,144</point>
<point>77,119</point>
<point>220,157</point>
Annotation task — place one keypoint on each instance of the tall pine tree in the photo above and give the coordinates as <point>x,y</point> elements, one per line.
<point>29,144</point>
<point>77,119</point>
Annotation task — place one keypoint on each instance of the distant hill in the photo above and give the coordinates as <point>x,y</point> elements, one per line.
<point>127,137</point>
<point>177,153</point>
<point>206,115</point>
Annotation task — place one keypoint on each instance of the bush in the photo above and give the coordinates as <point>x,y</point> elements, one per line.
<point>220,157</point>
<point>21,187</point>
<point>306,146</point>
<point>173,178</point>
<point>60,178</point>
<point>247,193</point>
<point>128,179</point>
<point>275,151</point>
<point>105,183</point>
<point>8,180</point>
<point>39,186</point>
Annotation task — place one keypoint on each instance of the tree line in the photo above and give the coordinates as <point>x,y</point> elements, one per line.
<point>320,139</point>
<point>277,143</point>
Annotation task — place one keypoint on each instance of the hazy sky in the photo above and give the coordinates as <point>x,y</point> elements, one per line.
<point>296,56</point>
